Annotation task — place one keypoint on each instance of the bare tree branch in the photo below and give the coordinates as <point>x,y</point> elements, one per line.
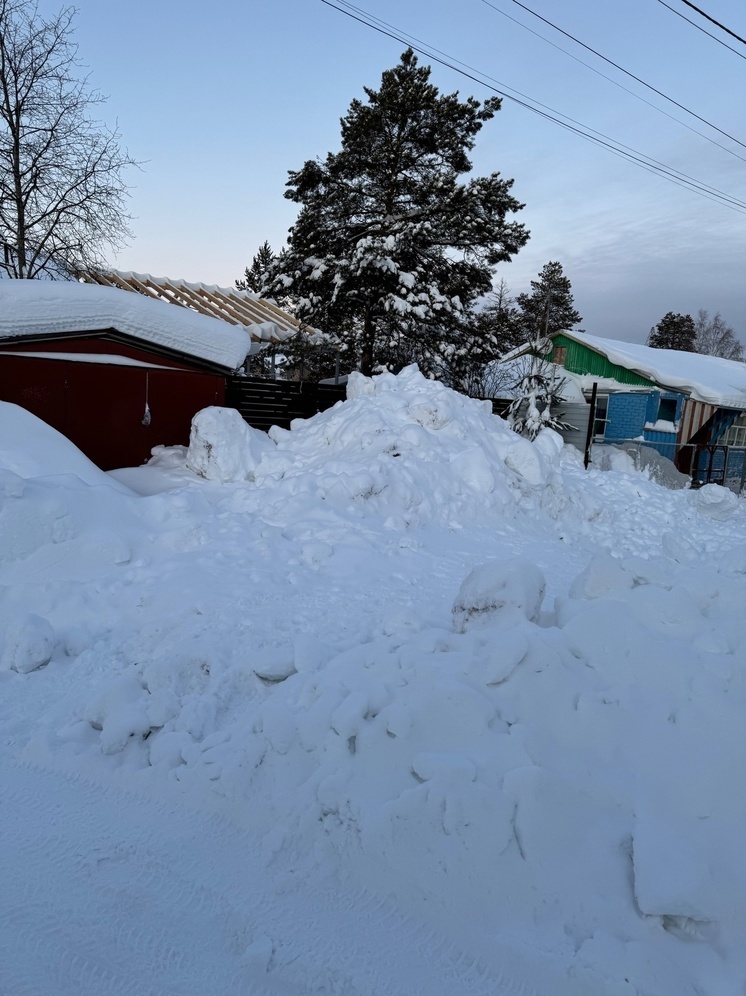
<point>62,188</point>
<point>716,338</point>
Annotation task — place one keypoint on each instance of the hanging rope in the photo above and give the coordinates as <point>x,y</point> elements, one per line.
<point>146,415</point>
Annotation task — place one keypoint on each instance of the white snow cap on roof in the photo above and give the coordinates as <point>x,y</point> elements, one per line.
<point>705,378</point>
<point>39,307</point>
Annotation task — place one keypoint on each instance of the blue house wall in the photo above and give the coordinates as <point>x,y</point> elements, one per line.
<point>629,412</point>
<point>626,416</point>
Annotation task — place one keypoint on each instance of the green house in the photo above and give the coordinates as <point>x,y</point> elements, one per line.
<point>684,405</point>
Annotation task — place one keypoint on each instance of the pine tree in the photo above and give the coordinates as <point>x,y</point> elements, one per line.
<point>254,274</point>
<point>715,338</point>
<point>390,244</point>
<point>484,333</point>
<point>674,332</point>
<point>548,309</point>
<point>497,320</point>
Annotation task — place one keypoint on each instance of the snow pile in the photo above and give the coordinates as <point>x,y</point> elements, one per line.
<point>415,655</point>
<point>415,450</point>
<point>31,448</point>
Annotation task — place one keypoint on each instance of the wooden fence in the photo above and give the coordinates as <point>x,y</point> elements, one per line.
<point>264,403</point>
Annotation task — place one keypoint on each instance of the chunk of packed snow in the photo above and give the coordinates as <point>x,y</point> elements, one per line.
<point>715,501</point>
<point>498,591</point>
<point>222,447</point>
<point>29,644</point>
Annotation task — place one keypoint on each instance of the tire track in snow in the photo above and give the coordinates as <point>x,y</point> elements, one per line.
<point>105,892</point>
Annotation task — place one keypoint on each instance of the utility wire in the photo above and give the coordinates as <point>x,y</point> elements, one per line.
<point>703,30</point>
<point>713,21</point>
<point>598,138</point>
<point>621,69</point>
<point>616,83</point>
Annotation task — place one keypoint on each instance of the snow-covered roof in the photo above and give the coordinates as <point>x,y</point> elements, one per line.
<point>264,320</point>
<point>704,378</point>
<point>41,307</point>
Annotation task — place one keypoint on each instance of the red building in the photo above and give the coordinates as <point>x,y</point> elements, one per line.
<point>116,372</point>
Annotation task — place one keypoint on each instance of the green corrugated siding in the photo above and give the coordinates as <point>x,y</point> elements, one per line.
<point>582,360</point>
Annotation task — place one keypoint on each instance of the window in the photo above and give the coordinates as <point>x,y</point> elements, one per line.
<point>736,435</point>
<point>667,410</point>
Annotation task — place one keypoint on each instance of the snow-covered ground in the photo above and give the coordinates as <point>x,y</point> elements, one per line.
<point>393,703</point>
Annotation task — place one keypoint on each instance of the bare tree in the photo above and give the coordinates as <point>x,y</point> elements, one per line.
<point>62,190</point>
<point>715,338</point>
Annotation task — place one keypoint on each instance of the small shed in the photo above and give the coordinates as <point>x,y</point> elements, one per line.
<point>116,372</point>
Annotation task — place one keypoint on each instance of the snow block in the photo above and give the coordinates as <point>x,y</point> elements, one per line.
<point>526,460</point>
<point>119,712</point>
<point>432,414</point>
<point>359,385</point>
<point>499,591</point>
<point>672,877</point>
<point>273,663</point>
<point>603,576</point>
<point>715,502</point>
<point>29,644</point>
<point>222,447</point>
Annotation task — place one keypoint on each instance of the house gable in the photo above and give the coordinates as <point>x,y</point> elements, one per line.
<point>581,359</point>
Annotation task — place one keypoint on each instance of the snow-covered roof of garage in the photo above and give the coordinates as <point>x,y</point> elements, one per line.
<point>52,307</point>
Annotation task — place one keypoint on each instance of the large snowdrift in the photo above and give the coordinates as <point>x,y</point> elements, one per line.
<point>417,659</point>
<point>31,448</point>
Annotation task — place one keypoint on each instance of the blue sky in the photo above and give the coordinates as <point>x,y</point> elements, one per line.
<point>219,101</point>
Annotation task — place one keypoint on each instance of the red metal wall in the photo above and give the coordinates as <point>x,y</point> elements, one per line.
<point>100,406</point>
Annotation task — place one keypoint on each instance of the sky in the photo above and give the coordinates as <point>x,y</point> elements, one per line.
<point>218,106</point>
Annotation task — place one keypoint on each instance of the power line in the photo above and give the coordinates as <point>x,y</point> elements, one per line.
<point>713,21</point>
<point>616,83</point>
<point>598,138</point>
<point>621,69</point>
<point>703,30</point>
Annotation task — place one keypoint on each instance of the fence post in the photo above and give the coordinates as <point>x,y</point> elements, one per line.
<point>591,426</point>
